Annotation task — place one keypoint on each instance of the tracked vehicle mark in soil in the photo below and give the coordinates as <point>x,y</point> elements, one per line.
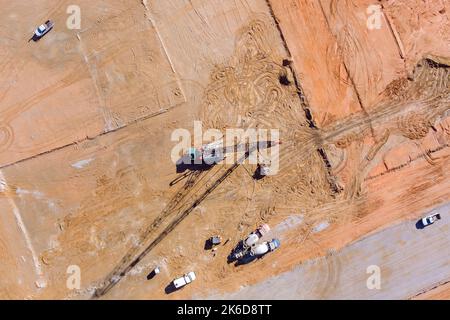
<point>249,86</point>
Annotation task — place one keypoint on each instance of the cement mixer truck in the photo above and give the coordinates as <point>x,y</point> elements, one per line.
<point>243,246</point>
<point>265,247</point>
<point>257,251</point>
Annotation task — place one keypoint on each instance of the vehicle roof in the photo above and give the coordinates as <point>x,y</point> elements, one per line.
<point>261,248</point>
<point>251,239</point>
<point>179,282</point>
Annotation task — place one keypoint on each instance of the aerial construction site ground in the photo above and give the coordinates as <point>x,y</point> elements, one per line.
<point>358,89</point>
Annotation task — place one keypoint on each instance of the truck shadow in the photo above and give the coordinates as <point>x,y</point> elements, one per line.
<point>170,288</point>
<point>238,247</point>
<point>151,275</point>
<point>257,175</point>
<point>185,163</point>
<point>186,170</point>
<point>208,244</point>
<point>35,38</point>
<point>419,225</point>
<point>245,260</point>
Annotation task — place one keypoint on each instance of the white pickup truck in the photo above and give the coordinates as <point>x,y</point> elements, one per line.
<point>430,219</point>
<point>184,280</point>
<point>43,29</point>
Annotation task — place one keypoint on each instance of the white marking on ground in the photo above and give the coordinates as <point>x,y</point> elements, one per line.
<point>37,195</point>
<point>24,230</point>
<point>82,163</point>
<point>141,268</point>
<point>288,223</point>
<point>37,265</point>
<point>106,113</point>
<point>321,226</point>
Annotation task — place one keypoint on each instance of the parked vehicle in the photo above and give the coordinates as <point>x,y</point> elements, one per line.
<point>430,219</point>
<point>256,235</point>
<point>184,280</point>
<point>265,247</point>
<point>243,247</point>
<point>42,30</point>
<point>153,273</point>
<point>258,251</point>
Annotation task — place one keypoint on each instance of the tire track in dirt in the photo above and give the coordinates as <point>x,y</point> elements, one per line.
<point>13,111</point>
<point>181,205</point>
<point>240,100</point>
<point>270,100</point>
<point>8,114</point>
<point>155,114</point>
<point>395,35</point>
<point>250,84</point>
<point>267,95</point>
<point>348,44</point>
<point>6,137</point>
<point>409,109</point>
<point>13,73</point>
<point>130,260</point>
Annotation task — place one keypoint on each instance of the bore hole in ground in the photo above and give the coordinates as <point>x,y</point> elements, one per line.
<point>283,78</point>
<point>286,62</point>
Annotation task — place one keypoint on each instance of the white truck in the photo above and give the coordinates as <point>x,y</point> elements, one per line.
<point>265,247</point>
<point>243,247</point>
<point>42,30</point>
<point>184,280</point>
<point>430,219</point>
<point>256,235</point>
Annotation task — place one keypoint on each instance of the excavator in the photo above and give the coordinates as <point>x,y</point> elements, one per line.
<point>215,152</point>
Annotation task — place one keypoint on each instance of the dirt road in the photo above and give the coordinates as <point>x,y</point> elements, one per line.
<point>411,260</point>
